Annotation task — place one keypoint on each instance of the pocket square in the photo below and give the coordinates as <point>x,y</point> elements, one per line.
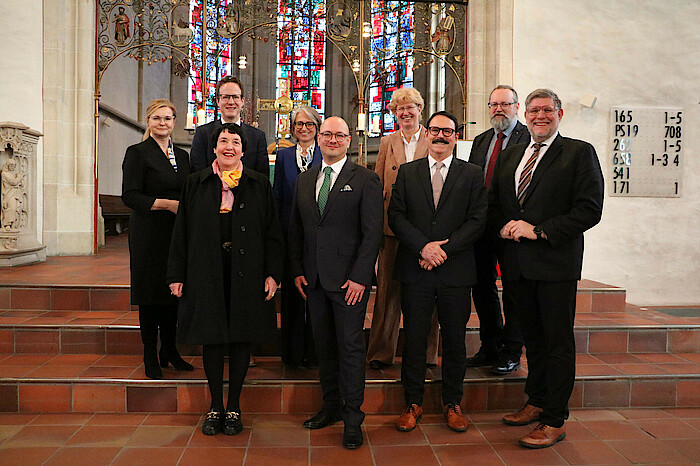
<point>347,187</point>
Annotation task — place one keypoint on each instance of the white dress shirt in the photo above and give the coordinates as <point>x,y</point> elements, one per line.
<point>528,153</point>
<point>335,171</point>
<point>409,147</point>
<point>445,167</point>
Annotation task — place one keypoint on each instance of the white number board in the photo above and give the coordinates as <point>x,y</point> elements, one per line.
<point>647,151</point>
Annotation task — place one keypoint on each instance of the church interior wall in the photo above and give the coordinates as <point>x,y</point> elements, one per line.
<point>633,53</point>
<point>21,63</point>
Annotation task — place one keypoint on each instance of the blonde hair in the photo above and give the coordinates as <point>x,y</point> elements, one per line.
<point>151,109</point>
<point>405,95</point>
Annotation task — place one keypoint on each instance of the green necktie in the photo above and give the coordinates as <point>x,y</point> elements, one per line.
<point>325,189</point>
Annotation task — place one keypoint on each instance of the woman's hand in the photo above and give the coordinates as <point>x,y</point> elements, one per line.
<point>270,288</point>
<point>165,204</point>
<point>176,289</point>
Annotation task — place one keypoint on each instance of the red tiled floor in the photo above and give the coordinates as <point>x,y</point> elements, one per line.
<point>589,452</point>
<point>647,451</point>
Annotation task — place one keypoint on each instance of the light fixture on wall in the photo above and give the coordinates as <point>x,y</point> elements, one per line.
<point>366,30</point>
<point>356,65</point>
<point>588,100</point>
<point>242,62</point>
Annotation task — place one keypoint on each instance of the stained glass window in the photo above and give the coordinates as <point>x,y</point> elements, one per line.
<point>301,53</point>
<point>391,60</point>
<point>218,56</point>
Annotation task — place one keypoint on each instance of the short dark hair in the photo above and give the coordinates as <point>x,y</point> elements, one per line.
<point>229,128</point>
<point>506,86</point>
<point>226,80</point>
<point>458,127</point>
<point>543,94</point>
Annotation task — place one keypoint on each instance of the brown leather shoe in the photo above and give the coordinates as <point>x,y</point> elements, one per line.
<point>543,436</point>
<point>525,416</point>
<point>408,420</point>
<point>455,419</point>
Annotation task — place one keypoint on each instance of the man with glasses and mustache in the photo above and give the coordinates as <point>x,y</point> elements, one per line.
<point>334,236</point>
<point>543,197</point>
<point>229,98</point>
<point>437,211</point>
<point>501,345</point>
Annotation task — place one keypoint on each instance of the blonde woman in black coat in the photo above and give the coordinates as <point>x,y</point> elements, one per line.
<point>225,264</point>
<point>153,173</point>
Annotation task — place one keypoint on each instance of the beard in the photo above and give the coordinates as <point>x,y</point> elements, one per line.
<point>501,124</point>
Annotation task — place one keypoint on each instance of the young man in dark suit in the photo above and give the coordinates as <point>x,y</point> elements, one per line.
<point>501,345</point>
<point>544,196</point>
<point>229,98</point>
<point>334,237</point>
<point>437,211</point>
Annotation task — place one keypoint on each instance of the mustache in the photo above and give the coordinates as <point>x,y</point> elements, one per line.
<point>440,141</point>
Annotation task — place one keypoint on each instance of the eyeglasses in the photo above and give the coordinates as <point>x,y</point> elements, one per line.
<point>406,108</point>
<point>537,110</point>
<point>447,132</point>
<point>503,105</point>
<point>234,97</point>
<point>301,124</point>
<point>340,137</point>
<point>166,119</point>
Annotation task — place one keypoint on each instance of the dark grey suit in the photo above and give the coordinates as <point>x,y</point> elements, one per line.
<point>460,216</point>
<point>492,332</point>
<point>255,156</point>
<point>329,249</point>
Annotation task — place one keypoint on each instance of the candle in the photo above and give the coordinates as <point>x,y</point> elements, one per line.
<point>201,117</point>
<point>375,124</point>
<point>190,120</point>
<point>361,121</point>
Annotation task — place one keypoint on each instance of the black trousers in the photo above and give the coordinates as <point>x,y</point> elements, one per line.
<point>492,331</point>
<point>295,326</point>
<point>546,311</point>
<point>157,317</point>
<point>418,300</point>
<point>340,346</point>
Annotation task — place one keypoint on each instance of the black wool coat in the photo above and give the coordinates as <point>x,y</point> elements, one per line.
<point>195,260</point>
<point>147,175</point>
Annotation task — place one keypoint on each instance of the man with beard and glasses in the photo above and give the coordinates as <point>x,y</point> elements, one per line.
<point>437,211</point>
<point>501,345</point>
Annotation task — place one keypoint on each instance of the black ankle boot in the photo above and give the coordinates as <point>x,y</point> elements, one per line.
<point>150,362</point>
<point>173,357</point>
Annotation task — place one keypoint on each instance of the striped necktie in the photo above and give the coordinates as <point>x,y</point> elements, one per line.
<point>325,189</point>
<point>526,175</point>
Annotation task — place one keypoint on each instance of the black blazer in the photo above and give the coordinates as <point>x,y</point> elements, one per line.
<point>343,243</point>
<point>460,216</point>
<point>255,156</point>
<point>286,172</point>
<point>480,146</point>
<point>565,197</point>
<point>195,260</point>
<point>146,175</point>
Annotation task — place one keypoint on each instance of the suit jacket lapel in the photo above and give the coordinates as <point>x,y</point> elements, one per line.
<point>452,175</point>
<point>424,176</point>
<point>547,159</point>
<point>509,170</point>
<point>316,160</point>
<point>307,190</point>
<point>422,146</point>
<point>344,176</point>
<point>398,148</point>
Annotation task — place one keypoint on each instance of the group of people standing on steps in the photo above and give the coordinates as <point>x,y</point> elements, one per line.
<point>435,227</point>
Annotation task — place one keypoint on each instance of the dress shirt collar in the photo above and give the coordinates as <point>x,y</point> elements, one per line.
<point>446,162</point>
<point>413,138</point>
<point>336,167</point>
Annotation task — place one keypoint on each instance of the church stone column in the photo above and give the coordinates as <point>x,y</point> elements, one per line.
<point>69,83</point>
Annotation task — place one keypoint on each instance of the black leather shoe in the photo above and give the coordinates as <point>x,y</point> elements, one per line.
<point>378,365</point>
<point>505,366</point>
<point>323,419</point>
<point>482,358</point>
<point>174,358</point>
<point>150,363</point>
<point>232,423</point>
<point>352,437</point>
<point>212,424</point>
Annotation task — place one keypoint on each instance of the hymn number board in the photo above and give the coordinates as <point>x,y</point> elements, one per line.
<point>647,151</point>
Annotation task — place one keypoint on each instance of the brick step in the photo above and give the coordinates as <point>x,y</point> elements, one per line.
<point>116,383</point>
<point>117,332</point>
<point>592,297</point>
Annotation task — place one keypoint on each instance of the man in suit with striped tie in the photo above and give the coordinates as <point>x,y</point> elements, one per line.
<point>544,195</point>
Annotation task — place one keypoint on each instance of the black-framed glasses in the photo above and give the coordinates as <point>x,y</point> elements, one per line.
<point>327,136</point>
<point>435,130</point>
<point>500,104</point>
<point>234,97</point>
<point>301,124</point>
